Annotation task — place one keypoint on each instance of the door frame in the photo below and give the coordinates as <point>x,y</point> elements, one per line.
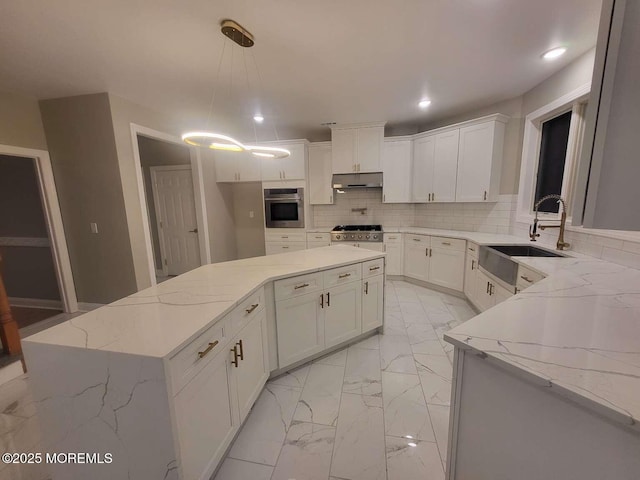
<point>53,219</point>
<point>156,202</point>
<point>198,193</point>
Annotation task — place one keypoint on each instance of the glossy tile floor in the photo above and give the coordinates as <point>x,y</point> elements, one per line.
<point>376,410</point>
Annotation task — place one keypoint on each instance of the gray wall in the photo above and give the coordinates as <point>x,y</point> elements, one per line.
<point>85,164</point>
<point>247,197</point>
<point>155,153</point>
<point>28,272</point>
<point>20,122</point>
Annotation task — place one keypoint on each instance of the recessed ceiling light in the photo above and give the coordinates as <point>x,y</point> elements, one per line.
<point>412,444</point>
<point>424,103</point>
<point>258,118</point>
<point>554,53</point>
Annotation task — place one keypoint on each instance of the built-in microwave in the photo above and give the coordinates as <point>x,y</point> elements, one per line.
<point>284,207</point>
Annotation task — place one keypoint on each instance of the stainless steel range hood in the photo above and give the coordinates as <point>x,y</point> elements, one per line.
<point>357,180</point>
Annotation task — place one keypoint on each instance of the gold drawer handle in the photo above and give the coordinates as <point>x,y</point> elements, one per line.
<point>526,279</point>
<point>284,236</point>
<point>252,308</point>
<point>446,243</point>
<point>417,240</point>
<point>371,269</point>
<point>297,287</point>
<point>319,238</point>
<point>393,238</point>
<point>344,275</point>
<point>208,349</point>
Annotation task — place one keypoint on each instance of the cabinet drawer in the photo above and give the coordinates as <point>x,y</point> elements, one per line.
<point>297,286</point>
<point>448,243</point>
<point>527,277</point>
<point>185,364</point>
<point>392,238</point>
<point>372,267</point>
<point>472,249</point>
<point>338,276</point>
<point>323,237</point>
<point>285,237</point>
<point>417,239</point>
<point>248,308</point>
<point>272,248</point>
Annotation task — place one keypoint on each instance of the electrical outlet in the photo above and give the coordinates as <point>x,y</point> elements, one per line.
<point>94,227</point>
<point>250,213</point>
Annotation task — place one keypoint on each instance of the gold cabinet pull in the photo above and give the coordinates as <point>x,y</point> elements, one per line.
<point>426,252</point>
<point>526,279</point>
<point>371,269</point>
<point>417,240</point>
<point>328,299</point>
<point>235,355</point>
<point>473,264</point>
<point>344,275</point>
<point>252,308</point>
<point>284,236</point>
<point>322,300</point>
<point>297,287</point>
<point>285,247</point>
<point>430,252</point>
<point>487,287</point>
<point>448,244</point>
<point>208,349</point>
<point>366,288</point>
<point>485,194</point>
<point>239,343</point>
<point>472,249</point>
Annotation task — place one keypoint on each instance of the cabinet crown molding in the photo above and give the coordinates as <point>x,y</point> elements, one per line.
<point>343,126</point>
<point>497,117</point>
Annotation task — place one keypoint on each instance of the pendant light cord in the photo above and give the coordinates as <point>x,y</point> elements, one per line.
<point>261,90</point>
<point>215,85</point>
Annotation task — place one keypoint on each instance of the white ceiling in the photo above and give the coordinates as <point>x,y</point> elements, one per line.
<point>320,61</point>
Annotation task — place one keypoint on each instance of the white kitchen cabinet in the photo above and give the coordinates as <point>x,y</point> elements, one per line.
<point>446,266</point>
<point>342,313</point>
<point>250,363</point>
<point>500,294</point>
<point>480,161</point>
<point>319,239</point>
<point>416,257</point>
<point>372,302</point>
<point>489,292</point>
<point>470,272</point>
<point>357,149</point>
<point>375,246</point>
<point>394,246</point>
<point>300,323</point>
<point>445,167</point>
<point>288,168</point>
<point>396,169</point>
<point>320,174</point>
<point>272,248</point>
<point>422,169</point>
<point>526,278</point>
<point>233,167</point>
<point>206,417</point>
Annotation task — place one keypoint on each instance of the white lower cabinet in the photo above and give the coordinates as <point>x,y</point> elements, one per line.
<point>372,302</point>
<point>470,273</point>
<point>416,257</point>
<point>446,262</point>
<point>206,417</point>
<point>300,325</point>
<point>271,248</point>
<point>393,245</point>
<point>342,313</point>
<point>488,292</point>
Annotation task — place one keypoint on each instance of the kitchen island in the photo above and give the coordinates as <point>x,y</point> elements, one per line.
<point>163,379</point>
<point>547,383</point>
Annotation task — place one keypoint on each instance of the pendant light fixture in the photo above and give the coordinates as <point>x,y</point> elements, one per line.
<point>218,141</point>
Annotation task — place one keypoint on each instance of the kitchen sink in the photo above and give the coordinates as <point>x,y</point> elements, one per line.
<point>496,259</point>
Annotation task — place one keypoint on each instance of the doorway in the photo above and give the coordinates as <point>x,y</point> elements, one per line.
<point>170,198</point>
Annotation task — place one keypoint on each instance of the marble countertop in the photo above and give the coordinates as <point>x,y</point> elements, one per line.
<point>576,332</point>
<point>160,320</point>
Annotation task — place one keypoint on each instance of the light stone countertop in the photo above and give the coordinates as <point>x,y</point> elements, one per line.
<point>160,320</point>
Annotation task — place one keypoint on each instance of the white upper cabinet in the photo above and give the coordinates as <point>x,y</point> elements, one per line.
<point>320,188</point>
<point>422,169</point>
<point>480,161</point>
<point>289,168</point>
<point>396,169</point>
<point>237,167</point>
<point>445,167</point>
<point>357,149</point>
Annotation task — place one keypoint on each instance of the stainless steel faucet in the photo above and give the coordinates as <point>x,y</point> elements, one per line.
<point>533,230</point>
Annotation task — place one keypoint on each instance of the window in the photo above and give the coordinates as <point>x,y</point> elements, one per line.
<point>551,149</point>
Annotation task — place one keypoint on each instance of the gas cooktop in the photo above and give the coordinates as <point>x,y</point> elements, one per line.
<point>357,233</point>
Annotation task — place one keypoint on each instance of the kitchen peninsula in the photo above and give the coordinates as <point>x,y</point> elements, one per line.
<point>164,378</point>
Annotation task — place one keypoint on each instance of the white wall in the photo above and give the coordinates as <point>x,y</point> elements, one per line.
<point>20,121</point>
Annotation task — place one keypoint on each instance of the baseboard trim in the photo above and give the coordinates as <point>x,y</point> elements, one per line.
<point>428,285</point>
<point>87,307</point>
<point>35,303</point>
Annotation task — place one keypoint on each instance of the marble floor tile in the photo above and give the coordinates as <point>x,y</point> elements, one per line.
<point>461,312</point>
<point>396,355</point>
<point>428,347</point>
<point>338,358</point>
<point>432,303</point>
<point>293,378</point>
<point>261,437</point>
<point>413,310</point>
<point>233,469</point>
<point>420,332</point>
<point>439,415</point>
<point>320,399</point>
<point>406,295</point>
<point>371,343</point>
<point>362,373</point>
<point>359,450</point>
<point>435,375</point>
<point>413,459</point>
<point>405,409</point>
<point>306,453</point>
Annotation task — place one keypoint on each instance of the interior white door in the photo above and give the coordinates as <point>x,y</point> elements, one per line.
<point>445,167</point>
<point>422,170</point>
<point>176,215</point>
